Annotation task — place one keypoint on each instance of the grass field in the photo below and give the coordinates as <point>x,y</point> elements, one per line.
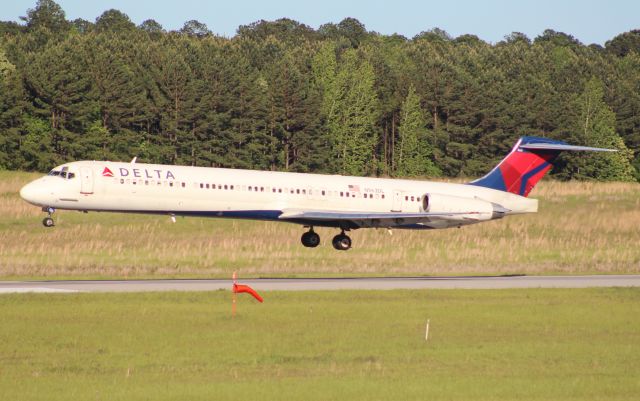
<point>581,228</point>
<point>347,345</point>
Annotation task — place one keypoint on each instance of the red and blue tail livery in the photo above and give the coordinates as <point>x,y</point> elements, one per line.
<point>529,160</point>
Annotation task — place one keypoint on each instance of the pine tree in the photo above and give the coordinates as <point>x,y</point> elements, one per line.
<point>246,140</point>
<point>13,107</point>
<point>412,156</point>
<point>594,125</point>
<point>351,122</point>
<point>293,114</point>
<point>324,69</point>
<point>58,81</point>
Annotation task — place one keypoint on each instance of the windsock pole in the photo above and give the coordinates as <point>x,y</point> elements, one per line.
<point>233,299</point>
<point>238,288</point>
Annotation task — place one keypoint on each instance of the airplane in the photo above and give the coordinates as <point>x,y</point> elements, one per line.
<point>311,200</point>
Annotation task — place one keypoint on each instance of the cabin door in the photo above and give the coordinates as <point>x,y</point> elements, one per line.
<point>397,201</point>
<point>86,180</point>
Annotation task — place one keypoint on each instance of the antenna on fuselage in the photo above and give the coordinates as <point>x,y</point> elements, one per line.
<point>133,161</point>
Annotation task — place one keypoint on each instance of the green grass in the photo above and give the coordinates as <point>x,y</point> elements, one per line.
<point>581,228</point>
<point>346,345</point>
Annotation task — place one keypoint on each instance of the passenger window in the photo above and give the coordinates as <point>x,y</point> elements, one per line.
<point>207,186</point>
<point>121,180</point>
<point>201,185</point>
<point>225,187</point>
<point>261,189</point>
<point>170,183</point>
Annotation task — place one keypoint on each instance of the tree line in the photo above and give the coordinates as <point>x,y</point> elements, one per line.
<point>280,95</point>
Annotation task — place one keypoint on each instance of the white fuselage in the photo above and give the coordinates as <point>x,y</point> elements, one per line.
<point>264,195</point>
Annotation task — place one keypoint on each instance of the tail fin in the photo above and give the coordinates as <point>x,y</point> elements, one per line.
<point>526,164</point>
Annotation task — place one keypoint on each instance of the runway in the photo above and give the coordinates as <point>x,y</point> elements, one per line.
<point>315,284</point>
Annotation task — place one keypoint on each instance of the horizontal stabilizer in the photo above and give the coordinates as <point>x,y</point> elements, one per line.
<point>552,146</point>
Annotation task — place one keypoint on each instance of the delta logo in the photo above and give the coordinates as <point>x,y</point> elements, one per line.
<point>140,173</point>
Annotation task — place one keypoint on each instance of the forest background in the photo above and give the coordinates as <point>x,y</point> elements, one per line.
<point>280,95</point>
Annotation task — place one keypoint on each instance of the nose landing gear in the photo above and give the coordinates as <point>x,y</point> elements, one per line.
<point>48,221</point>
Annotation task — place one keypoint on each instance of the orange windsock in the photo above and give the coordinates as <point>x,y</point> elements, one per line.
<point>237,288</point>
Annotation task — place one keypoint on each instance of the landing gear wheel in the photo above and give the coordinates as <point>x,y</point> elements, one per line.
<point>310,239</point>
<point>341,242</point>
<point>48,222</point>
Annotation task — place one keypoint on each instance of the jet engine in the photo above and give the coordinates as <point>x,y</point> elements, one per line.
<point>466,207</point>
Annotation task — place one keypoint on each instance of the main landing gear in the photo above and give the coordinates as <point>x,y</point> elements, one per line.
<point>311,239</point>
<point>341,242</point>
<point>48,221</point>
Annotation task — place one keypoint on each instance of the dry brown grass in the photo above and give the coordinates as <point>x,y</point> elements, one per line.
<point>582,227</point>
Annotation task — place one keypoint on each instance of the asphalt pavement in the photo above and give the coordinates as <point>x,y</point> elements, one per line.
<point>316,284</point>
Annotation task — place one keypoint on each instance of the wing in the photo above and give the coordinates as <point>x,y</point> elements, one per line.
<point>375,219</point>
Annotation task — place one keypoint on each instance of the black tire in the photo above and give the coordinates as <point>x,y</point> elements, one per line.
<point>310,239</point>
<point>48,222</point>
<point>341,242</point>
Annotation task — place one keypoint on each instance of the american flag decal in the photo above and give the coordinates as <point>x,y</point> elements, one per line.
<point>354,188</point>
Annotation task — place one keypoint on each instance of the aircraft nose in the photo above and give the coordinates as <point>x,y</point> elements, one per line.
<point>33,193</point>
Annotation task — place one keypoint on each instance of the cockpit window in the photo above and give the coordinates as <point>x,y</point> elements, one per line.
<point>64,173</point>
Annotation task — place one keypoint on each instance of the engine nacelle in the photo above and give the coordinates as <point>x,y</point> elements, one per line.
<point>467,207</point>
